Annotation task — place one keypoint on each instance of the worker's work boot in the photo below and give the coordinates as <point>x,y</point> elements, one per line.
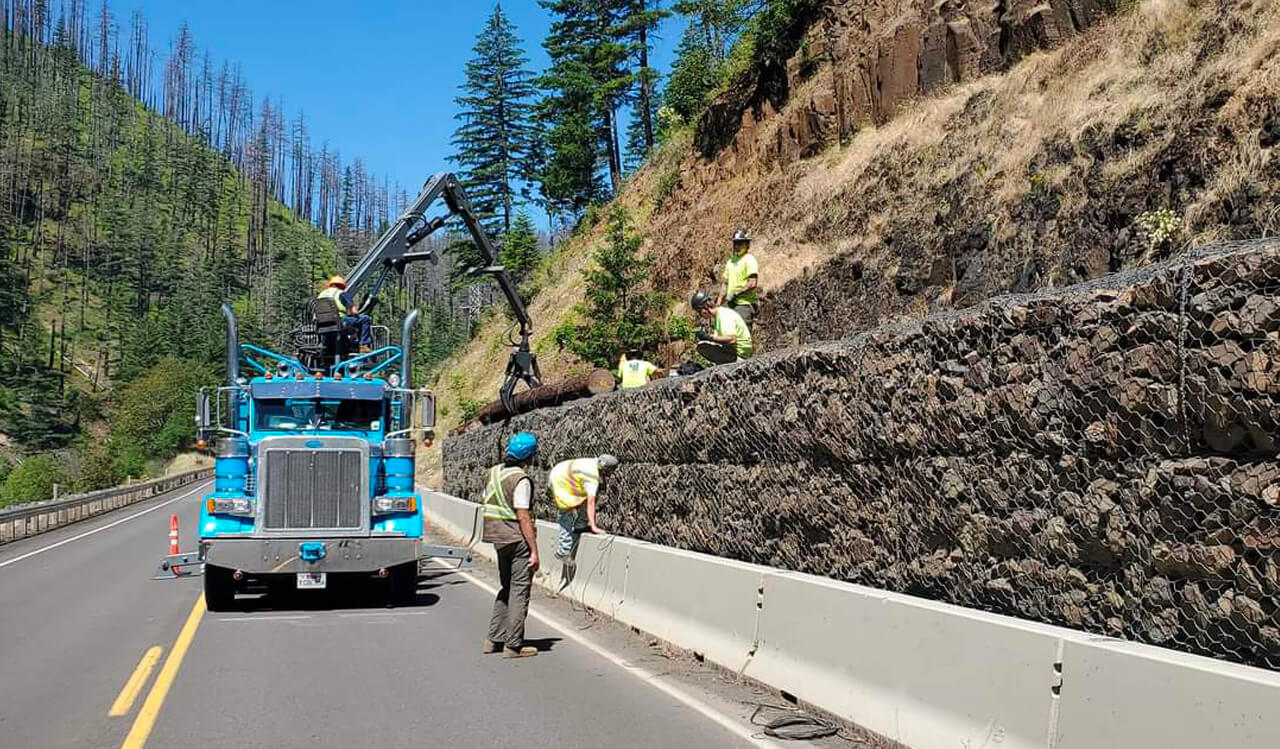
<point>490,646</point>
<point>527,651</point>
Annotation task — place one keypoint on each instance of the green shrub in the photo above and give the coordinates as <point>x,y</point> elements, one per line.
<point>154,416</point>
<point>680,329</point>
<point>469,407</point>
<point>32,480</point>
<point>667,184</point>
<point>1160,228</point>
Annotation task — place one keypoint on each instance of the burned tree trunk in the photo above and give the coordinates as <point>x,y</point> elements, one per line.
<point>583,386</point>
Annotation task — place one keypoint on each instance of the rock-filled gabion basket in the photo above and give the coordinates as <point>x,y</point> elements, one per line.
<point>1102,457</point>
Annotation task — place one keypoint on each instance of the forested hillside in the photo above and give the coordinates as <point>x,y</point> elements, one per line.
<point>134,202</point>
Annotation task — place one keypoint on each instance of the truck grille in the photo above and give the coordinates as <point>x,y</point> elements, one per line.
<point>306,489</point>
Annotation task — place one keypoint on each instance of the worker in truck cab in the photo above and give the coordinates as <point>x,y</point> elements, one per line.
<point>729,339</point>
<point>509,526</point>
<point>574,486</point>
<point>336,289</point>
<point>634,371</point>
<point>741,278</point>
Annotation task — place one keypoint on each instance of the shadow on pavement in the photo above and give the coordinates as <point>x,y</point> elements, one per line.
<point>341,595</point>
<point>543,644</point>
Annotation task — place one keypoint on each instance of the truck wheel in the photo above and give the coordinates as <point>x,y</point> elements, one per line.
<point>404,584</point>
<point>219,589</point>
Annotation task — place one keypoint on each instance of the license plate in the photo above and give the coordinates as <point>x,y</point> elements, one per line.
<point>312,580</point>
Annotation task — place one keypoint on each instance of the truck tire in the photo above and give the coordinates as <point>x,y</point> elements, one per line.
<point>403,584</point>
<point>219,589</point>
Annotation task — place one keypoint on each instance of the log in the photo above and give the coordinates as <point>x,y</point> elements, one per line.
<point>583,386</point>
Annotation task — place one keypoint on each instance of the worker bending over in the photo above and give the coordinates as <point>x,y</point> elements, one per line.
<point>741,278</point>
<point>729,339</point>
<point>634,371</point>
<point>509,526</point>
<point>336,289</point>
<point>574,485</point>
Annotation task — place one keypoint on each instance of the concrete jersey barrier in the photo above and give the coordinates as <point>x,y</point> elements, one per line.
<point>923,673</point>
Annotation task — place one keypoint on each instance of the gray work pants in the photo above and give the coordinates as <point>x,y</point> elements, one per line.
<point>746,312</point>
<point>515,573</point>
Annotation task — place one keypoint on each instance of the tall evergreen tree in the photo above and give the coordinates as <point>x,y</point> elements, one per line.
<point>693,75</point>
<point>717,22</point>
<point>494,142</point>
<point>640,27</point>
<point>588,82</point>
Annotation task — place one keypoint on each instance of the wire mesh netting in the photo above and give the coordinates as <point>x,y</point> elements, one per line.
<point>1101,456</point>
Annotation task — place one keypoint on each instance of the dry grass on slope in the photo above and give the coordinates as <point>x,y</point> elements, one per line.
<point>1040,176</point>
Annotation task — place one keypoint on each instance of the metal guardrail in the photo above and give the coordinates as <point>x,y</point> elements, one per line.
<point>32,519</point>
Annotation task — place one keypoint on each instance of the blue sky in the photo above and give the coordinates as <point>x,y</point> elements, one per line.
<point>376,78</point>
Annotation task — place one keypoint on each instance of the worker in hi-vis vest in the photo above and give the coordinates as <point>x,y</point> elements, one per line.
<point>509,526</point>
<point>741,279</point>
<point>336,289</point>
<point>574,486</point>
<point>634,371</point>
<point>729,339</point>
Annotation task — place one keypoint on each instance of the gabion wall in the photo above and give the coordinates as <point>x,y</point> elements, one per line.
<point>1101,456</point>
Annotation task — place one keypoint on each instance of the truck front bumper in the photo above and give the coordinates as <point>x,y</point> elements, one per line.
<point>261,556</point>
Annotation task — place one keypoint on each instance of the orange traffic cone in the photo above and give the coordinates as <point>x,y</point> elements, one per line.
<point>173,539</point>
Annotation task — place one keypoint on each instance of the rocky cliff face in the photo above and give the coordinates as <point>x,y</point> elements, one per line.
<point>868,58</point>
<point>1102,456</point>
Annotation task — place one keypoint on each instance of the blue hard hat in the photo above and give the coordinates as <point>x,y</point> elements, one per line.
<point>522,446</point>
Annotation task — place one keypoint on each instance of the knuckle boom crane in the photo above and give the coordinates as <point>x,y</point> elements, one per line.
<point>394,249</point>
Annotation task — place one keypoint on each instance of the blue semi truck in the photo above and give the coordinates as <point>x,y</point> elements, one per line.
<point>315,452</point>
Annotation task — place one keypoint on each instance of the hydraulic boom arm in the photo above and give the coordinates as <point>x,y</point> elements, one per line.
<point>394,249</point>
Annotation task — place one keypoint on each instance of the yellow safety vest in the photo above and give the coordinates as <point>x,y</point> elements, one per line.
<point>635,373</point>
<point>736,273</point>
<point>568,481</point>
<point>730,323</point>
<point>497,506</point>
<point>334,293</point>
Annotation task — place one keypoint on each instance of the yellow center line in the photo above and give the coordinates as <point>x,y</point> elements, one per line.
<point>146,719</point>
<point>129,693</point>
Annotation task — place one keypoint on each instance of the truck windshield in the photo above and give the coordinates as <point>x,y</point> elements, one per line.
<point>312,413</point>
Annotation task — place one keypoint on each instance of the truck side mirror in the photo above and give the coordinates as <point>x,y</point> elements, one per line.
<point>204,419</point>
<point>426,401</point>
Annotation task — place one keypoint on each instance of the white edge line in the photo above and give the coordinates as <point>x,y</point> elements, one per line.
<point>99,529</point>
<point>648,677</point>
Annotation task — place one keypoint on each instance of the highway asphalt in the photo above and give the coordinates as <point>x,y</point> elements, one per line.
<point>84,629</point>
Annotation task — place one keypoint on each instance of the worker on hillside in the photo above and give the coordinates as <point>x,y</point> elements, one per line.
<point>509,526</point>
<point>574,486</point>
<point>336,289</point>
<point>729,339</point>
<point>741,278</point>
<point>634,371</point>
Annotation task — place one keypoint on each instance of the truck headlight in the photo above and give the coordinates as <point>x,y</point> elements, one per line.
<point>388,505</point>
<point>230,506</point>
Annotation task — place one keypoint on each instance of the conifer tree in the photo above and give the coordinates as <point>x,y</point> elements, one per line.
<point>639,28</point>
<point>587,83</point>
<point>520,247</point>
<point>494,142</point>
<point>619,312</point>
